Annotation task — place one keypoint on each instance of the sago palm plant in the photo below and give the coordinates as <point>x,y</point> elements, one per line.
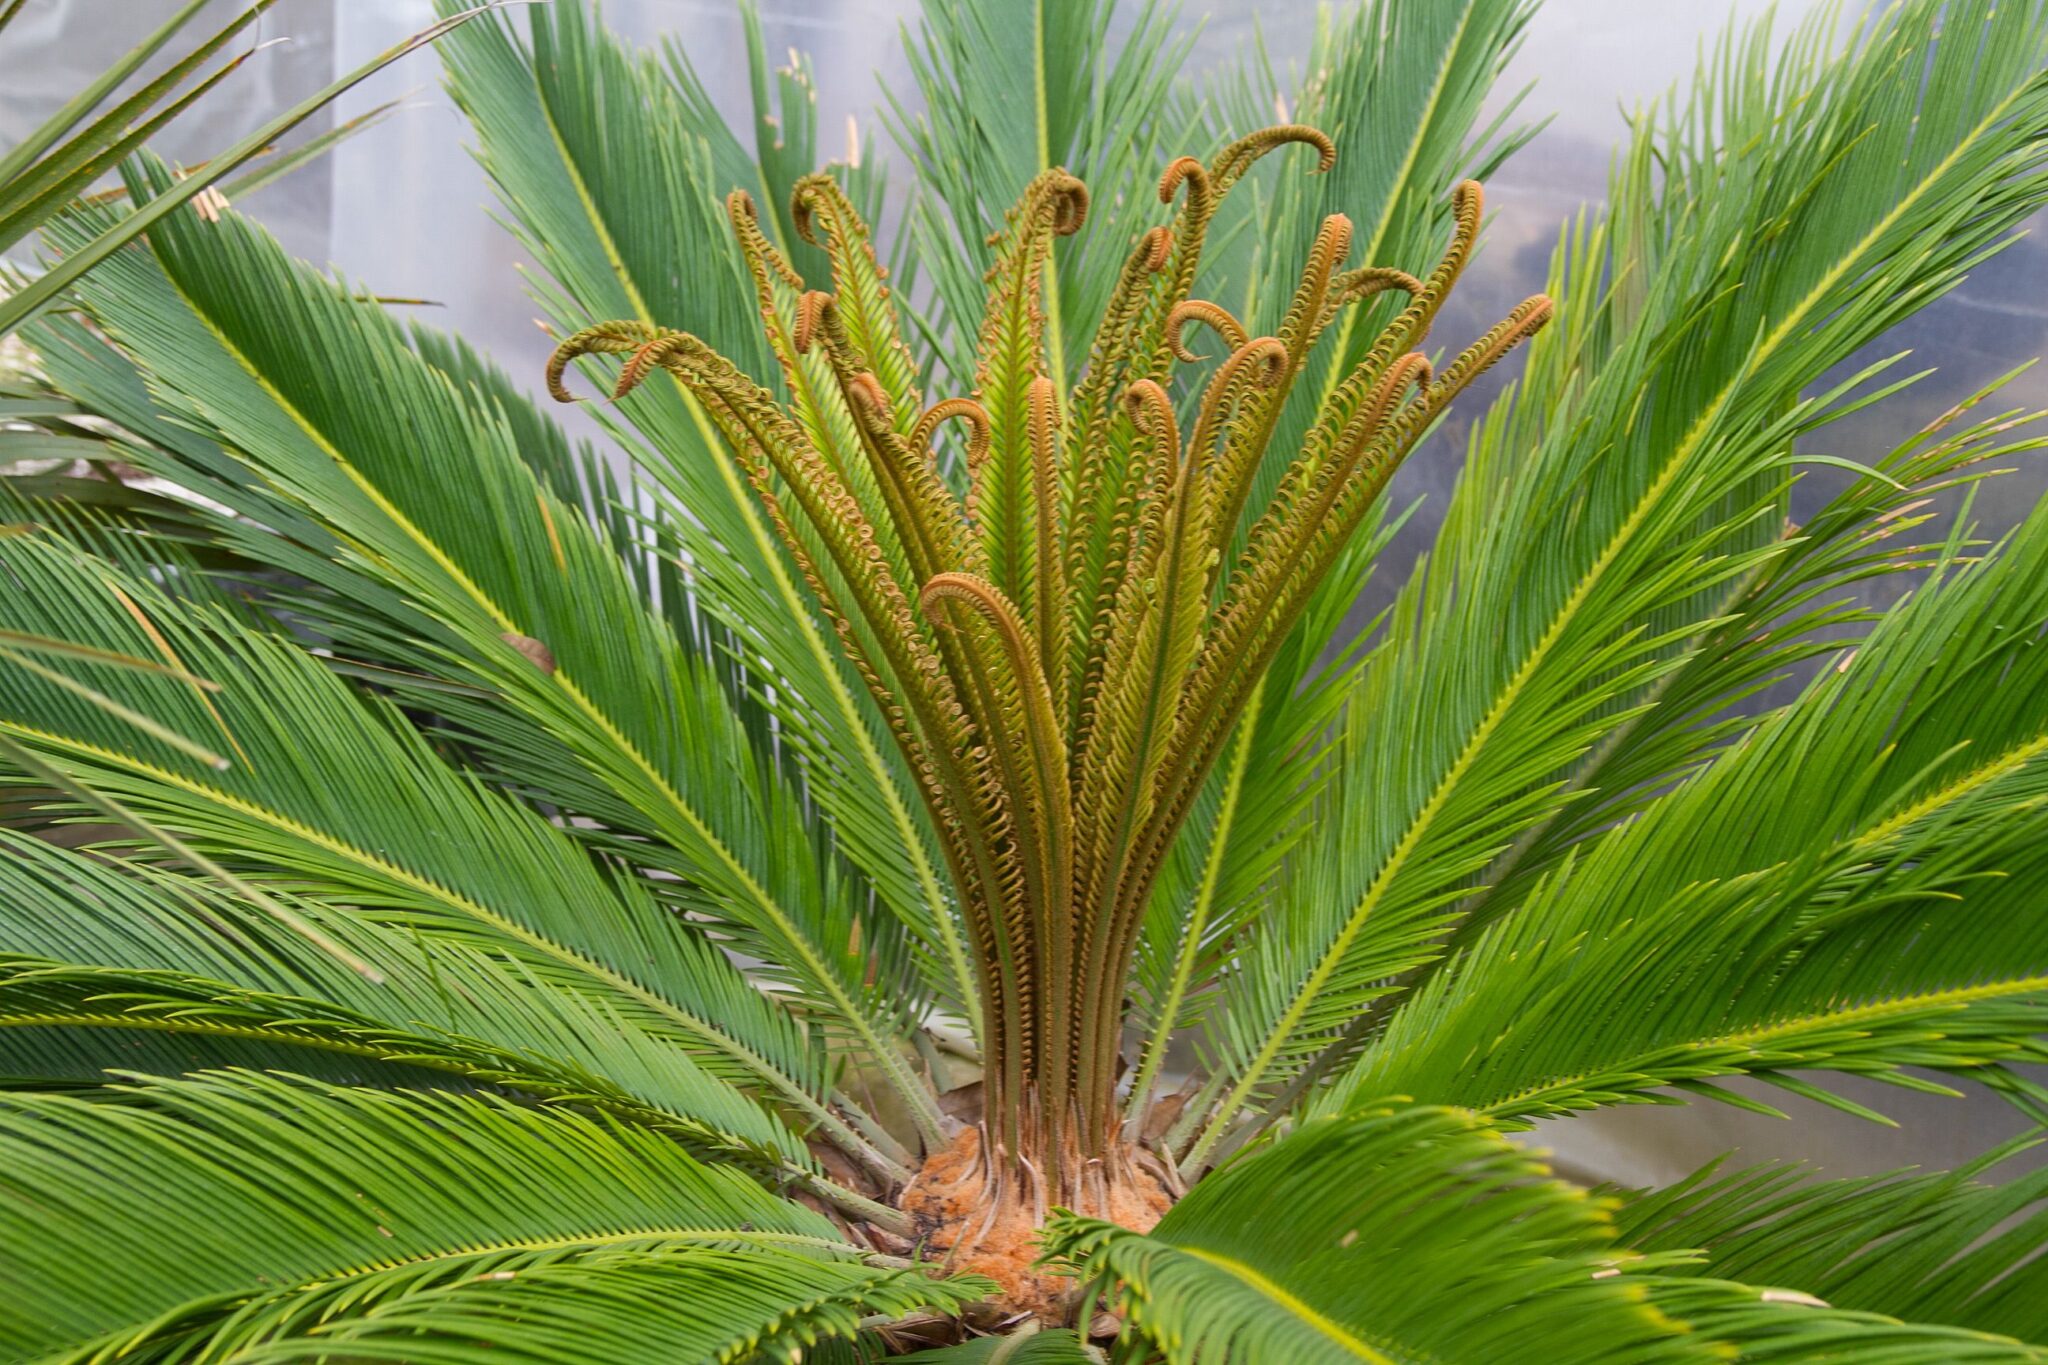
<point>900,855</point>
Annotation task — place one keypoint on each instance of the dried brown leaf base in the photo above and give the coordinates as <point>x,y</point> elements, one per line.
<point>982,1216</point>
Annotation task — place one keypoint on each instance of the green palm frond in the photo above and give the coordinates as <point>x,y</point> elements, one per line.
<point>1850,886</point>
<point>1794,607</point>
<point>1411,1234</point>
<point>608,246</point>
<point>1418,1234</point>
<point>290,1220</point>
<point>1004,91</point>
<point>332,793</point>
<point>1939,1247</point>
<point>93,944</point>
<point>1788,601</point>
<point>42,173</point>
<point>1781,1326</point>
<point>1055,1347</point>
<point>1594,529</point>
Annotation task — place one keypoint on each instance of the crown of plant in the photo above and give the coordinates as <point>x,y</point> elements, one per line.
<point>1062,651</point>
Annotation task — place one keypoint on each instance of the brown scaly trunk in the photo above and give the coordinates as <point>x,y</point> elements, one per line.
<point>1049,1136</point>
<point>981,1200</point>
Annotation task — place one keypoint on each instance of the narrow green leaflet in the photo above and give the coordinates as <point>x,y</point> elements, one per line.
<point>113,945</point>
<point>1411,1235</point>
<point>81,255</point>
<point>288,1220</point>
<point>332,792</point>
<point>1055,1347</point>
<point>1782,1326</point>
<point>1793,607</point>
<point>1591,539</point>
<point>1854,886</point>
<point>649,240</point>
<point>1938,1247</point>
<point>1006,89</point>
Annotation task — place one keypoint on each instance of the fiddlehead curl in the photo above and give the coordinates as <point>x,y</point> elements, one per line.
<point>1525,321</point>
<point>606,338</point>
<point>1258,363</point>
<point>817,316</point>
<point>988,602</point>
<point>1368,280</point>
<point>1156,246</point>
<point>1187,170</point>
<point>1055,199</point>
<point>1233,161</point>
<point>659,352</point>
<point>1307,309</point>
<point>761,254</point>
<point>803,202</point>
<point>1214,316</point>
<point>870,402</point>
<point>947,409</point>
<point>1151,412</point>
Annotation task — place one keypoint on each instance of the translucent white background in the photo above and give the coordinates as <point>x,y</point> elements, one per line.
<point>402,209</point>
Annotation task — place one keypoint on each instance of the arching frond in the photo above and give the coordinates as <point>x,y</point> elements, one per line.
<point>1785,1325</point>
<point>1594,532</point>
<point>288,1220</point>
<point>1849,887</point>
<point>92,943</point>
<point>1939,1247</point>
<point>1004,91</point>
<point>1411,1234</point>
<point>1054,1347</point>
<point>333,793</point>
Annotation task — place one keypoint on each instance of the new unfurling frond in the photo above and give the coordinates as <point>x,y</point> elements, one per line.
<point>1062,655</point>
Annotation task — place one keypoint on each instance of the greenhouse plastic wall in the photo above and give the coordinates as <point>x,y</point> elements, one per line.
<point>402,209</point>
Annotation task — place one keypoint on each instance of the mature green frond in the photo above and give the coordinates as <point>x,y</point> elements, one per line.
<point>286,1218</point>
<point>53,164</point>
<point>334,793</point>
<point>1409,1235</point>
<point>1780,1326</point>
<point>528,600</point>
<point>1792,608</point>
<point>1055,1347</point>
<point>575,473</point>
<point>1940,1247</point>
<point>1005,91</point>
<point>699,1304</point>
<point>1852,886</point>
<point>89,944</point>
<point>609,244</point>
<point>1598,527</point>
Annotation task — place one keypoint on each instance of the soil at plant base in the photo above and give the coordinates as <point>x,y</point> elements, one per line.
<point>984,1224</point>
